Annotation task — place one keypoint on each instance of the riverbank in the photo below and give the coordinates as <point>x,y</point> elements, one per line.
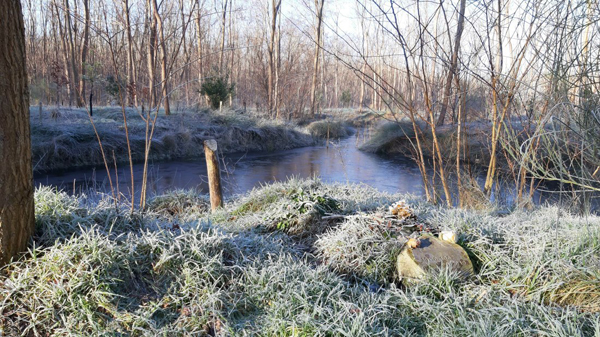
<point>276,262</point>
<point>68,141</point>
<point>399,137</point>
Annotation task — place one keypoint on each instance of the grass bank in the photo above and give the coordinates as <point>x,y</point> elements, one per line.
<point>273,262</point>
<point>329,129</point>
<point>398,137</point>
<point>68,140</point>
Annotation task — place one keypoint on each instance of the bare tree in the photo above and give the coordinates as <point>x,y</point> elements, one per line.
<point>131,66</point>
<point>199,40</point>
<point>84,50</point>
<point>151,59</point>
<point>318,38</point>
<point>164,76</point>
<point>223,31</point>
<point>453,62</point>
<point>71,28</point>
<point>275,6</point>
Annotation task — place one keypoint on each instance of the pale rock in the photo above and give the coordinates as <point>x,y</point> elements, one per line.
<point>430,256</point>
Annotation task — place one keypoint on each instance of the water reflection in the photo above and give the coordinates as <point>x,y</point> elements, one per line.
<point>341,162</point>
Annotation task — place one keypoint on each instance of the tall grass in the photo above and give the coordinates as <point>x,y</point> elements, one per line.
<point>94,270</point>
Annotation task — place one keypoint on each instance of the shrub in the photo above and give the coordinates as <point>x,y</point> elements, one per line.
<point>112,86</point>
<point>217,89</point>
<point>346,98</point>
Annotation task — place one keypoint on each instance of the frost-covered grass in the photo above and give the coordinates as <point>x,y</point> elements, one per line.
<point>69,141</point>
<point>178,270</point>
<point>333,129</point>
<point>399,137</point>
<point>390,137</point>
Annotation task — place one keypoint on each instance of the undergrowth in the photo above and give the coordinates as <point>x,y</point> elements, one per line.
<point>179,270</point>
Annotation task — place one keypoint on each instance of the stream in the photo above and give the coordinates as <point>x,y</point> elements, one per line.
<point>341,161</point>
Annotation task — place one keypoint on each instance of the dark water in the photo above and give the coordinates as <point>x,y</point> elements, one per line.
<point>340,162</point>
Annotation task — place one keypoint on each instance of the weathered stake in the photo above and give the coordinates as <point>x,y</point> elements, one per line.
<point>214,175</point>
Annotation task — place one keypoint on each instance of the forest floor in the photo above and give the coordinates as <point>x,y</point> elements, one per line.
<point>67,140</point>
<point>273,262</point>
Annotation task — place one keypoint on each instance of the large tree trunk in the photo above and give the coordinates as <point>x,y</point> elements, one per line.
<point>16,177</point>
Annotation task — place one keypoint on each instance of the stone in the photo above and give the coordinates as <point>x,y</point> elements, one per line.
<point>430,256</point>
<point>448,236</point>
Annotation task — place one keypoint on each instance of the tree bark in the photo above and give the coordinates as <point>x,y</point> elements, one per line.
<point>17,216</point>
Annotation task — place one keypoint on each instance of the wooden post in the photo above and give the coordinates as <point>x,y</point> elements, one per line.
<point>214,175</point>
<point>327,134</point>
<point>220,106</point>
